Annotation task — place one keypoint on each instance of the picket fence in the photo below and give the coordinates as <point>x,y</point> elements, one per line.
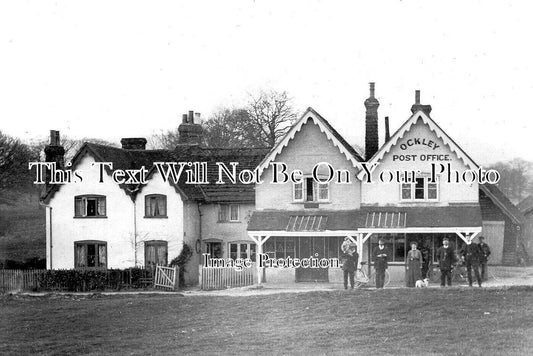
<point>226,277</point>
<point>13,280</point>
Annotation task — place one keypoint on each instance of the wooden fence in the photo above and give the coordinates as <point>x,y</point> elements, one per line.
<point>12,280</point>
<point>226,277</point>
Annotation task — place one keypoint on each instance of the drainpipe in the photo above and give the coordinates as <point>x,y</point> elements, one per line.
<point>48,207</point>
<point>199,228</point>
<point>135,232</point>
<point>134,191</point>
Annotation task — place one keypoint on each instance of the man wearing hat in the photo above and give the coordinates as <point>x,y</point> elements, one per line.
<point>446,259</point>
<point>485,253</point>
<point>381,258</point>
<point>350,258</point>
<point>471,253</point>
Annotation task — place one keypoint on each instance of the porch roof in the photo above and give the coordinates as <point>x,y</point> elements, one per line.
<point>370,217</point>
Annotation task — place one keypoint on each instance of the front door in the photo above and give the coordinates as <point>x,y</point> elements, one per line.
<point>312,247</point>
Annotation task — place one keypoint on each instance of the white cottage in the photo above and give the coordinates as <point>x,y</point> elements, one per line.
<point>98,223</point>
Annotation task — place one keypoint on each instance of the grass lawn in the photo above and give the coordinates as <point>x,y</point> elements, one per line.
<point>424,321</point>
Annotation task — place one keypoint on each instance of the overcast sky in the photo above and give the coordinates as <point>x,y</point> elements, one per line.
<point>112,69</point>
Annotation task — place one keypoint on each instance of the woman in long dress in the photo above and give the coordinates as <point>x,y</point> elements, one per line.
<point>414,265</point>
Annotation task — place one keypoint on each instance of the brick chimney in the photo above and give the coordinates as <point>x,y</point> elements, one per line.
<point>387,131</point>
<point>133,143</point>
<point>426,109</point>
<point>54,152</point>
<point>371,135</point>
<point>190,132</point>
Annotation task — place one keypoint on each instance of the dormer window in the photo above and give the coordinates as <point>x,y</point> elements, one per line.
<point>155,206</point>
<point>310,191</point>
<point>90,206</point>
<point>421,190</point>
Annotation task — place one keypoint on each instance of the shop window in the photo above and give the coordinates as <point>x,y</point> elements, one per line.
<point>228,213</point>
<point>155,206</point>
<point>155,254</point>
<point>90,254</point>
<point>242,250</point>
<point>421,190</point>
<point>89,206</point>
<point>310,191</point>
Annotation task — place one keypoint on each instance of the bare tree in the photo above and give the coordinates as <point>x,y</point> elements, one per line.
<point>271,114</point>
<point>261,122</point>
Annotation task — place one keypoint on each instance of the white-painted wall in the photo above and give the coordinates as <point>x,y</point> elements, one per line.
<point>309,147</point>
<point>389,194</point>
<point>116,229</point>
<point>168,229</point>
<point>124,218</point>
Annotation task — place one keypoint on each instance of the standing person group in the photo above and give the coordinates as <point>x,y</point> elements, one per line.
<point>472,254</point>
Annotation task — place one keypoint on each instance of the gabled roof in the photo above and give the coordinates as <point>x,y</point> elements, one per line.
<point>501,200</point>
<point>248,158</point>
<point>526,205</point>
<point>406,127</point>
<point>338,141</point>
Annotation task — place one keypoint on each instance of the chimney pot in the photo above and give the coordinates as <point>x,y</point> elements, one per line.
<point>426,109</point>
<point>54,138</point>
<point>133,143</point>
<point>184,118</point>
<point>190,131</point>
<point>372,89</point>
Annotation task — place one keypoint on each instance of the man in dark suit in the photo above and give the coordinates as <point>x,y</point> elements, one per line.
<point>446,259</point>
<point>381,258</point>
<point>471,254</point>
<point>349,264</point>
<point>485,253</point>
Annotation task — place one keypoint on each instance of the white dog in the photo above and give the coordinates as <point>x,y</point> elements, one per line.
<point>422,283</point>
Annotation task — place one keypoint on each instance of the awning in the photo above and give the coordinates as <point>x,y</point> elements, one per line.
<point>394,218</point>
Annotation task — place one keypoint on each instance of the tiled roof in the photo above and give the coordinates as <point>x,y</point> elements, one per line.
<point>502,202</point>
<point>248,158</point>
<point>410,217</point>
